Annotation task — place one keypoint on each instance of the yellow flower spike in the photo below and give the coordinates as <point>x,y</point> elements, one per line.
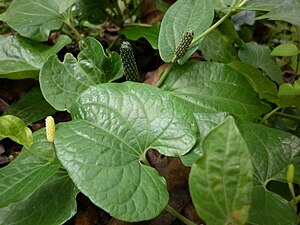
<point>290,173</point>
<point>50,128</point>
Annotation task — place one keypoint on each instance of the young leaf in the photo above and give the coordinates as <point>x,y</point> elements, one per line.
<point>36,18</point>
<point>287,49</point>
<point>287,11</point>
<point>15,129</point>
<point>23,58</point>
<point>31,107</point>
<point>289,94</point>
<point>62,82</point>
<point>136,32</point>
<point>221,180</point>
<point>259,56</point>
<point>214,87</point>
<point>54,202</point>
<point>23,176</point>
<point>266,5</point>
<point>181,16</point>
<point>113,126</point>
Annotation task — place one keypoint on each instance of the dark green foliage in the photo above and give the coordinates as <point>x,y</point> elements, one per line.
<point>128,61</point>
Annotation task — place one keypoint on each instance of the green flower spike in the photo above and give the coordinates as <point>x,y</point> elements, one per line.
<point>184,44</point>
<point>128,61</point>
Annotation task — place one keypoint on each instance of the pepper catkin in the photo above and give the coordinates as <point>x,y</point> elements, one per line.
<point>128,61</point>
<point>50,128</point>
<point>184,44</point>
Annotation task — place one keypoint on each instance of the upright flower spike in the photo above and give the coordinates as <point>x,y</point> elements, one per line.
<point>128,61</point>
<point>50,128</point>
<point>184,44</point>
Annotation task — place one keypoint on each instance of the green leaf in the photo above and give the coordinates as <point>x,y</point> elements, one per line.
<point>62,82</point>
<point>218,47</point>
<point>259,56</point>
<point>221,180</point>
<point>31,107</point>
<point>213,87</point>
<point>52,203</point>
<point>289,94</point>
<point>270,161</point>
<point>266,5</point>
<point>287,11</point>
<point>24,176</point>
<point>15,129</point>
<point>182,15</point>
<point>118,123</point>
<point>23,58</point>
<point>161,5</point>
<point>286,49</point>
<point>36,18</point>
<point>260,83</point>
<point>136,32</point>
<point>206,122</point>
<point>269,208</point>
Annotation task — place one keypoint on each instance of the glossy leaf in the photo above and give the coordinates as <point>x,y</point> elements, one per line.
<point>31,107</point>
<point>206,122</point>
<point>136,32</point>
<point>259,56</point>
<point>24,176</point>
<point>271,152</point>
<point>52,203</point>
<point>287,49</point>
<point>269,208</point>
<point>23,58</point>
<point>62,82</point>
<point>181,16</point>
<point>118,123</point>
<point>218,47</point>
<point>260,83</point>
<point>36,18</point>
<point>221,180</point>
<point>14,128</point>
<point>213,87</point>
<point>287,11</point>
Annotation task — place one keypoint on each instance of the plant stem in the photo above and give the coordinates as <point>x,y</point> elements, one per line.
<point>267,116</point>
<point>297,199</point>
<point>137,24</point>
<point>68,21</point>
<point>288,116</point>
<point>218,23</point>
<point>164,75</point>
<point>183,219</point>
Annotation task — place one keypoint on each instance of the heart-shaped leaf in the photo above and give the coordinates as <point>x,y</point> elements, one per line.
<point>181,16</point>
<point>15,129</point>
<point>113,126</point>
<point>36,18</point>
<point>286,49</point>
<point>289,94</point>
<point>221,180</point>
<point>61,83</point>
<point>23,176</point>
<point>54,202</point>
<point>31,107</point>
<point>23,58</point>
<point>214,87</point>
<point>271,152</point>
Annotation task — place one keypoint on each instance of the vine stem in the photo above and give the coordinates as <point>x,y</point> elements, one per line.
<point>268,115</point>
<point>288,116</point>
<point>164,75</point>
<point>183,219</point>
<point>218,23</point>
